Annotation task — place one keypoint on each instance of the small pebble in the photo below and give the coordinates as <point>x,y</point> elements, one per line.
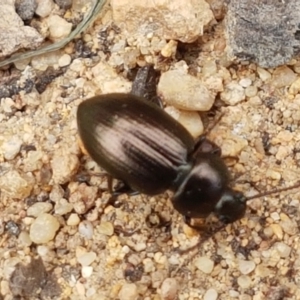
<point>283,76</point>
<point>33,161</point>
<point>283,249</point>
<point>289,226</point>
<point>24,239</point>
<point>86,229</point>
<point>148,265</point>
<point>160,258</point>
<point>244,281</point>
<point>42,250</point>
<point>64,60</point>
<point>169,49</point>
<point>295,87</point>
<point>263,74</point>
<point>273,174</point>
<point>233,294</point>
<point>275,216</point>
<point>233,93</point>
<point>245,82</point>
<point>91,293</point>
<point>80,289</point>
<point>73,220</point>
<point>214,84</point>
<point>251,91</point>
<point>107,79</point>
<point>128,291</point>
<point>64,166</point>
<point>87,258</point>
<point>268,231</point>
<point>86,271</point>
<point>106,228</point>
<point>12,228</point>
<point>209,68</point>
<point>262,271</point>
<point>43,228</point>
<point>277,230</point>
<point>184,91</point>
<point>296,67</point>
<point>76,65</point>
<point>42,62</point>
<point>140,246</point>
<point>59,28</point>
<point>44,8</point>
<point>56,193</point>
<point>192,122</point>
<point>246,266</point>
<point>204,264</point>
<point>169,288</point>
<point>7,105</point>
<point>157,278</point>
<point>174,260</point>
<point>12,147</point>
<point>210,294</point>
<point>39,208</point>
<point>16,185</point>
<point>63,207</point>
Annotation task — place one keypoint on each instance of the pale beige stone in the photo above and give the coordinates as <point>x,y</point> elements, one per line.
<point>182,20</point>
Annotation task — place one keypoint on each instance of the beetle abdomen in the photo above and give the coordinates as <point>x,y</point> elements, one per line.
<point>134,140</point>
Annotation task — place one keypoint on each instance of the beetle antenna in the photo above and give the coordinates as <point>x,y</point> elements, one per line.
<point>275,191</point>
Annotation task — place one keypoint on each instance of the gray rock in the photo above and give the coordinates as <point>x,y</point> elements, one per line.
<point>13,34</point>
<point>265,32</point>
<point>25,8</point>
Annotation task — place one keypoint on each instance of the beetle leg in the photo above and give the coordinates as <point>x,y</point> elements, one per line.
<point>124,188</point>
<point>144,85</point>
<point>110,184</point>
<point>157,100</point>
<point>121,187</point>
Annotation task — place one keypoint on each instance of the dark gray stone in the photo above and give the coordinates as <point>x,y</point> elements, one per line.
<point>266,32</point>
<point>25,8</point>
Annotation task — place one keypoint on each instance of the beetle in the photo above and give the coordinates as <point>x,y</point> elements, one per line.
<point>138,143</point>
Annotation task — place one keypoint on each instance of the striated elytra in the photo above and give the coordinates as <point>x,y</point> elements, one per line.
<point>137,142</point>
<point>134,140</point>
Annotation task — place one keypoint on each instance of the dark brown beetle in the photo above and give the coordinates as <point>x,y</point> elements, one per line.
<point>136,141</point>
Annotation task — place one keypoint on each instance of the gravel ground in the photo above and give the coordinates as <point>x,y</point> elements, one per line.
<point>60,240</point>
